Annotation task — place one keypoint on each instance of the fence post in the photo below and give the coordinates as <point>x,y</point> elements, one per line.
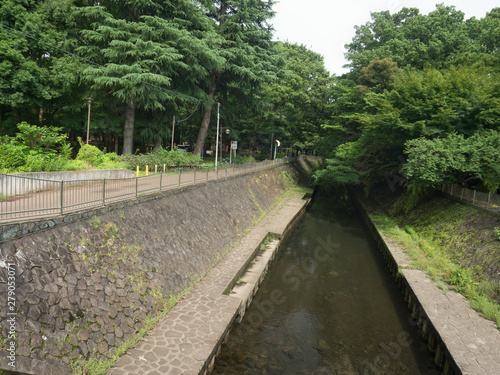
<point>103,191</point>
<point>62,202</point>
<point>180,172</point>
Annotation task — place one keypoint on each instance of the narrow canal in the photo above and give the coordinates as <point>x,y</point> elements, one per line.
<point>328,305</point>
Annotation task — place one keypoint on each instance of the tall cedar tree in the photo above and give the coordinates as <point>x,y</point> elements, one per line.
<point>248,50</point>
<point>146,52</point>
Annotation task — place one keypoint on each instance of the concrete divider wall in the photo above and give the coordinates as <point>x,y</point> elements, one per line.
<point>85,287</point>
<point>21,183</point>
<point>396,260</point>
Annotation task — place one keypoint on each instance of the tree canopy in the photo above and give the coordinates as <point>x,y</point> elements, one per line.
<point>416,82</point>
<point>424,88</point>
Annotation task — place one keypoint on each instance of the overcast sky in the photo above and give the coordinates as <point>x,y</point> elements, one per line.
<point>325,26</point>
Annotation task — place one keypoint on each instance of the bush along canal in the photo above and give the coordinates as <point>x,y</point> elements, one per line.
<point>328,305</point>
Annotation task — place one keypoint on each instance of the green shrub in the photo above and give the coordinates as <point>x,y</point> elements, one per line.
<point>172,159</point>
<point>12,156</point>
<point>40,138</point>
<point>89,154</point>
<point>238,159</point>
<point>37,162</point>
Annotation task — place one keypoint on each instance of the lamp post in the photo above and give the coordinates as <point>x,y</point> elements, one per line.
<point>217,137</point>
<point>88,120</point>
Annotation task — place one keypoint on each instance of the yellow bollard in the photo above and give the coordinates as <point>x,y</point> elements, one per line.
<point>147,170</point>
<point>137,172</point>
<point>164,165</point>
<point>156,169</point>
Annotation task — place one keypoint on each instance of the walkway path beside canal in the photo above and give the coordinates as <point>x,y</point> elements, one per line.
<point>188,337</point>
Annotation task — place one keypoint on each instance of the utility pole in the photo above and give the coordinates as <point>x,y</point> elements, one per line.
<point>173,128</point>
<point>217,141</point>
<point>88,120</point>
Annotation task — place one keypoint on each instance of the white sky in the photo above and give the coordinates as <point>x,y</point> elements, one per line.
<point>325,26</point>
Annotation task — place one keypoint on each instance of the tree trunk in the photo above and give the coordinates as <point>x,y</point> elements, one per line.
<point>128,129</point>
<point>40,116</point>
<point>205,123</point>
<point>158,143</point>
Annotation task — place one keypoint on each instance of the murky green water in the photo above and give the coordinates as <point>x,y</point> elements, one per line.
<point>327,306</point>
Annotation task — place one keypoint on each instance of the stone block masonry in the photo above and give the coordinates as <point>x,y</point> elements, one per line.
<point>84,287</point>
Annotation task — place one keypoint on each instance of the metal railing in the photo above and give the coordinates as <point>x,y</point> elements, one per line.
<point>484,200</point>
<point>22,197</point>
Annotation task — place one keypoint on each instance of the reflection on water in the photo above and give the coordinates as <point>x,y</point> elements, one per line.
<point>327,306</point>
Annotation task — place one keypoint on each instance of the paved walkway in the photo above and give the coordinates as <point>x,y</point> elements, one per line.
<point>191,332</point>
<point>472,341</point>
<point>46,200</point>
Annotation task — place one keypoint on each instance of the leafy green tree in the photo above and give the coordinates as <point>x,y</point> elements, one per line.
<point>301,98</point>
<point>251,60</point>
<point>142,54</point>
<point>34,73</point>
<point>409,38</point>
<point>379,75</point>
<point>454,160</point>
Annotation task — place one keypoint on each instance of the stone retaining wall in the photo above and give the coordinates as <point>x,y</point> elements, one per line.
<point>85,283</point>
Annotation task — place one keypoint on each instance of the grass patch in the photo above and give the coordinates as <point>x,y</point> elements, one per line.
<point>429,256</point>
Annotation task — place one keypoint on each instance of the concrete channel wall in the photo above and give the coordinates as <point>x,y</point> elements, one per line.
<point>85,283</point>
<point>460,339</point>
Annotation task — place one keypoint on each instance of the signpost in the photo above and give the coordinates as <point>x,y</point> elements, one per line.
<point>234,146</point>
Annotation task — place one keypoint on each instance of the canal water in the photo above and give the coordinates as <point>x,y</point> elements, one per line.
<point>328,305</point>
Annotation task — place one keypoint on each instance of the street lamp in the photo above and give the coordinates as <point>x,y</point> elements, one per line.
<point>88,120</point>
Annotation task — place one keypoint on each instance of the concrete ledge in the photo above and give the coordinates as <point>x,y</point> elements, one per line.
<point>462,341</point>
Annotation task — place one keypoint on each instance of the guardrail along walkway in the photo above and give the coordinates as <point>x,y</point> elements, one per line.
<point>24,197</point>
